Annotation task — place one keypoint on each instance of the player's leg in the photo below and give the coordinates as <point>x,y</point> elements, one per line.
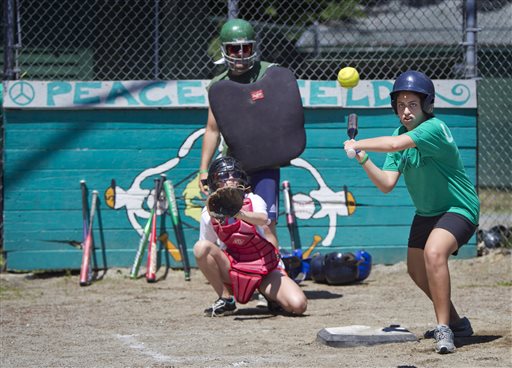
<point>280,288</point>
<point>450,233</point>
<point>214,265</point>
<point>265,183</point>
<point>421,229</point>
<point>418,273</point>
<point>440,245</point>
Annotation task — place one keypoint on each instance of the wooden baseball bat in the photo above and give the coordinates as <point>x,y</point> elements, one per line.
<point>178,227</point>
<point>316,240</point>
<point>86,269</point>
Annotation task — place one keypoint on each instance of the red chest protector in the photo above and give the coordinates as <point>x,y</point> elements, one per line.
<point>251,256</point>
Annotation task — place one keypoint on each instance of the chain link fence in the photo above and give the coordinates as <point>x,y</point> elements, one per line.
<point>177,39</point>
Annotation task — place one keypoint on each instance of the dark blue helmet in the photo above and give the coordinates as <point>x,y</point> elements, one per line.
<point>221,169</point>
<point>317,268</point>
<point>341,268</point>
<point>418,82</point>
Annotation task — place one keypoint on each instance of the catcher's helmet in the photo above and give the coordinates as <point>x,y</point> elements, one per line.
<point>224,168</point>
<point>341,268</point>
<point>417,82</point>
<point>238,34</point>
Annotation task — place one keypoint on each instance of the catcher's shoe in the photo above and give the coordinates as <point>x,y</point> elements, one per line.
<point>262,301</point>
<point>221,307</point>
<point>272,306</point>
<point>460,329</point>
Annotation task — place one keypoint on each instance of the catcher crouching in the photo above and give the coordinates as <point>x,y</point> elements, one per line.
<point>232,251</point>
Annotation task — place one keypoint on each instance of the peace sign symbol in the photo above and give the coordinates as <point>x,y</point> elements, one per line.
<point>22,93</point>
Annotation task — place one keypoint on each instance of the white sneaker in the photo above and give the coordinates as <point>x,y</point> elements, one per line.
<point>444,339</point>
<point>262,301</point>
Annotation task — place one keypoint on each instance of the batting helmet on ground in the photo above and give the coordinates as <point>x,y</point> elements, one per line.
<point>316,267</point>
<point>341,268</point>
<point>364,260</point>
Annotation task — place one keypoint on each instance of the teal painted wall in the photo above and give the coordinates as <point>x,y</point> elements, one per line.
<point>48,152</point>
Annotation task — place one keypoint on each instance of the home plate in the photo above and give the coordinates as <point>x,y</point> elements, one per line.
<point>357,335</point>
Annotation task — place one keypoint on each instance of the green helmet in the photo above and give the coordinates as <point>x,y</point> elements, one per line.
<point>236,35</point>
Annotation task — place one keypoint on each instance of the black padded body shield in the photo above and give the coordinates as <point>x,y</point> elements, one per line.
<point>262,122</point>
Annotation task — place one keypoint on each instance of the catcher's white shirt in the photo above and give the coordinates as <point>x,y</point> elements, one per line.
<point>206,231</point>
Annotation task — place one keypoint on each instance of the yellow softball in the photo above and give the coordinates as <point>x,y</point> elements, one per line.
<point>348,77</point>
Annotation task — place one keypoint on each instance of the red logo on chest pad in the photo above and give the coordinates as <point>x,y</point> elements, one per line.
<point>257,95</point>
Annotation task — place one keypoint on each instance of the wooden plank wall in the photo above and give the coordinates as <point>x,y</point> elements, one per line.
<point>47,153</point>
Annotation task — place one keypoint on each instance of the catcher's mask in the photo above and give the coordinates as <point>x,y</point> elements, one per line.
<point>223,169</point>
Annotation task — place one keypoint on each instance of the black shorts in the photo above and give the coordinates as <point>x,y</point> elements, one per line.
<point>458,225</point>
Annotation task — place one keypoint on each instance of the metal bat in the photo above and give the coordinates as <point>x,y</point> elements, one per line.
<point>290,216</point>
<point>85,209</point>
<point>178,227</point>
<point>142,247</point>
<point>86,268</point>
<point>352,133</point>
<point>152,247</point>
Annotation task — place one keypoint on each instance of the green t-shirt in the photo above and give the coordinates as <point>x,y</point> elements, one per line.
<point>252,75</point>
<point>433,172</point>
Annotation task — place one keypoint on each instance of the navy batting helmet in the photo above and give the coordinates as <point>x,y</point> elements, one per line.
<point>417,82</point>
<point>496,237</point>
<point>224,168</point>
<point>316,267</point>
<point>341,268</point>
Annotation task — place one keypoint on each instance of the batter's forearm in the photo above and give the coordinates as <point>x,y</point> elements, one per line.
<point>384,182</point>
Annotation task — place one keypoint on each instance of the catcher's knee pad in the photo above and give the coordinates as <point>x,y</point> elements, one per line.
<point>244,285</point>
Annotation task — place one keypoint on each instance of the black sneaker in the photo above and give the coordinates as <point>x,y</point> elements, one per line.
<point>460,329</point>
<point>221,307</point>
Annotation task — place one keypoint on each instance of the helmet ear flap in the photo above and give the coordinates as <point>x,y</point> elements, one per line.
<point>428,106</point>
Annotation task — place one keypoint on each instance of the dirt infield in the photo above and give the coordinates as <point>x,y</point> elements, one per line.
<point>49,321</point>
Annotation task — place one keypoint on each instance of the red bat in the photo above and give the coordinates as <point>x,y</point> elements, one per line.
<point>352,132</point>
<point>152,247</point>
<point>86,268</point>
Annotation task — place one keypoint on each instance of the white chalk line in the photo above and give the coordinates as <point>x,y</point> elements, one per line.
<point>132,342</point>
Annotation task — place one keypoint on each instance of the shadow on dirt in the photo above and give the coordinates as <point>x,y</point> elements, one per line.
<point>476,339</point>
<point>321,294</point>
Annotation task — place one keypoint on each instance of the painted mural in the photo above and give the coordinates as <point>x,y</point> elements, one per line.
<point>121,135</point>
